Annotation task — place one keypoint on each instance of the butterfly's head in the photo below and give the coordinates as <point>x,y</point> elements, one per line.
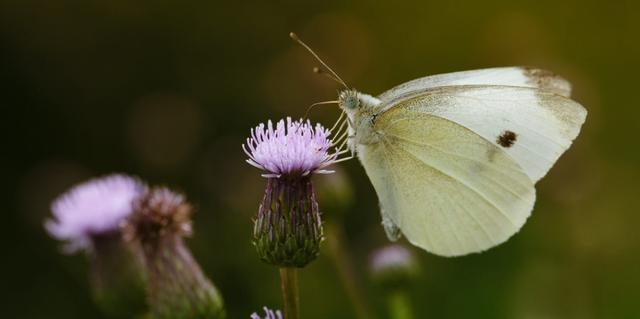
<point>349,100</point>
<point>352,101</point>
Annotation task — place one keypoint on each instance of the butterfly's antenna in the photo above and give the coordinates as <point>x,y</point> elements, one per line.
<point>317,103</point>
<point>334,75</point>
<point>319,71</point>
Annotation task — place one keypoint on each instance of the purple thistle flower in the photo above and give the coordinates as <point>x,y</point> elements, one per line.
<point>288,230</point>
<point>291,148</point>
<point>270,314</point>
<point>88,216</point>
<point>93,208</point>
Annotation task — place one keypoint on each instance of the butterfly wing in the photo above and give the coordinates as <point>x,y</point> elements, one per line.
<point>447,189</point>
<point>454,167</point>
<point>533,126</point>
<point>504,76</point>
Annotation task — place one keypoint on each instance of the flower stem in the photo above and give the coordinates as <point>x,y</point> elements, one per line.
<point>399,305</point>
<point>289,285</point>
<point>346,270</point>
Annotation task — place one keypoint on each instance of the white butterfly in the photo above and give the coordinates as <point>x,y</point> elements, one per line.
<point>454,157</point>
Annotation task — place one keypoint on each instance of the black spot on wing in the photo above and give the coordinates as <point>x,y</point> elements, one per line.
<point>507,138</point>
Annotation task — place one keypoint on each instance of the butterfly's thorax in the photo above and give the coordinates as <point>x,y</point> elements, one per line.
<point>361,109</point>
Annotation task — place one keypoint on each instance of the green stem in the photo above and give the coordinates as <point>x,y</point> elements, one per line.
<point>344,264</point>
<point>289,285</point>
<point>399,305</point>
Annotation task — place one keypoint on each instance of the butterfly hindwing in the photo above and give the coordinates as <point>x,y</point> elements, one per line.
<point>449,190</point>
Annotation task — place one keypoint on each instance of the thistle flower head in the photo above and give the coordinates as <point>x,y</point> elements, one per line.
<point>269,314</point>
<point>287,229</point>
<point>93,208</point>
<point>291,148</point>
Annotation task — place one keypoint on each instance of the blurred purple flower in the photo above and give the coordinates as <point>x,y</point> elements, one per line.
<point>393,266</point>
<point>391,256</point>
<point>269,314</point>
<point>291,148</point>
<point>93,208</point>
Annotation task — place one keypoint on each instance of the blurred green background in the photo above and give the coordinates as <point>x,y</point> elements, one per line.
<point>168,90</point>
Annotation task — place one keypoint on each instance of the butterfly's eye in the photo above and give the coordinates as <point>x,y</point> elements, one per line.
<point>351,101</point>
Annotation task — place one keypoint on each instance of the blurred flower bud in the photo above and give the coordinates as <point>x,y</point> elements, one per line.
<point>177,288</point>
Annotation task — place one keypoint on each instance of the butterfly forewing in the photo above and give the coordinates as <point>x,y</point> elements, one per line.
<point>533,126</point>
<point>505,76</point>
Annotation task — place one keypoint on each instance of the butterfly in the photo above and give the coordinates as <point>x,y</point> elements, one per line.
<point>454,157</point>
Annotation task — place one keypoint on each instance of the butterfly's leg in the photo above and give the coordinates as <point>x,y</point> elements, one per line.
<point>338,121</point>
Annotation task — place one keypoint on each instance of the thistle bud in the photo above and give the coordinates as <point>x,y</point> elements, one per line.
<point>177,288</point>
<point>287,230</point>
